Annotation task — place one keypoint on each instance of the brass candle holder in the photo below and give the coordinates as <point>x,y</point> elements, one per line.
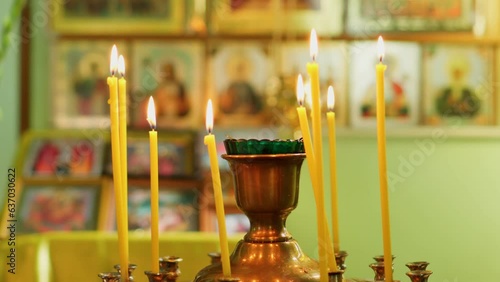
<point>109,276</point>
<point>266,190</point>
<point>170,264</point>
<point>340,258</point>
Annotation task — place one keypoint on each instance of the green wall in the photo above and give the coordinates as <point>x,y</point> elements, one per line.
<point>9,104</point>
<point>445,211</point>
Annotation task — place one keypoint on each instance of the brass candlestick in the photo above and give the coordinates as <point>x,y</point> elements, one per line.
<point>214,257</point>
<point>109,276</point>
<point>266,190</point>
<point>340,258</point>
<point>417,265</point>
<point>170,264</point>
<point>419,275</point>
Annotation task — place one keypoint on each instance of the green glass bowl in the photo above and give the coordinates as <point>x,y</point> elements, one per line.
<point>263,146</point>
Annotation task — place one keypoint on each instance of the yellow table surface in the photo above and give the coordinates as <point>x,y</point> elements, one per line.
<point>80,256</point>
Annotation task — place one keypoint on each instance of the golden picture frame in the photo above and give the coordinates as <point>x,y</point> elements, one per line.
<point>117,17</point>
<point>278,16</point>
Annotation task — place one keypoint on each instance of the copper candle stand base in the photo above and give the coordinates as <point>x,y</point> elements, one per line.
<point>266,190</point>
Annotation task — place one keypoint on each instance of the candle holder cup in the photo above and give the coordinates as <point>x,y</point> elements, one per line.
<point>215,257</point>
<point>170,264</point>
<point>419,275</point>
<point>417,265</point>
<point>340,258</point>
<point>266,190</point>
<point>109,276</point>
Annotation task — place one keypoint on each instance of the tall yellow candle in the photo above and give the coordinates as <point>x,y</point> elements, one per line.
<point>382,163</point>
<point>153,159</point>
<point>304,127</point>
<point>116,160</point>
<point>122,121</point>
<point>330,116</point>
<point>219,203</point>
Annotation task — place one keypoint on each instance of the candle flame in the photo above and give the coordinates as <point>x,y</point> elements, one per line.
<point>381,49</point>
<point>113,61</point>
<point>121,65</point>
<point>313,47</point>
<point>300,90</point>
<point>151,113</point>
<point>330,102</point>
<point>209,121</point>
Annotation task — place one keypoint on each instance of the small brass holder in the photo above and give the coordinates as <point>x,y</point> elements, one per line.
<point>417,265</point>
<point>214,257</point>
<point>419,275</point>
<point>340,258</point>
<point>378,269</point>
<point>267,191</point>
<point>109,276</point>
<point>336,276</point>
<point>131,268</point>
<point>170,264</point>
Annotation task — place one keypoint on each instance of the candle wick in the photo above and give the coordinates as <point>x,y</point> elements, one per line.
<point>380,58</point>
<point>314,58</point>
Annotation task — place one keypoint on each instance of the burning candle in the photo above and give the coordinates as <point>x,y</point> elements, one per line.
<point>116,160</point>
<point>304,126</point>
<point>312,70</point>
<point>330,116</point>
<point>219,202</point>
<point>382,163</point>
<point>122,122</point>
<point>153,155</point>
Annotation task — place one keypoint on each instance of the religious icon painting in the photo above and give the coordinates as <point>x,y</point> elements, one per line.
<point>458,89</point>
<point>364,17</point>
<point>79,86</point>
<point>113,17</point>
<point>56,158</point>
<point>58,208</point>
<point>178,208</point>
<point>332,61</point>
<point>269,17</point>
<point>171,74</point>
<point>401,82</point>
<point>242,83</point>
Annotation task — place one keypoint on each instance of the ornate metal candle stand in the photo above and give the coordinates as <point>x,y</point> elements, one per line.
<point>266,176</point>
<point>266,190</point>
